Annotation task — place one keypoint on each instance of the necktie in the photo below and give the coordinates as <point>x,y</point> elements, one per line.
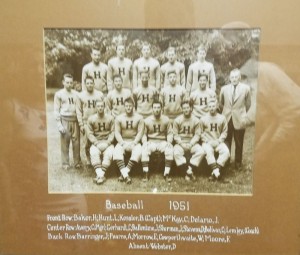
<point>233,94</point>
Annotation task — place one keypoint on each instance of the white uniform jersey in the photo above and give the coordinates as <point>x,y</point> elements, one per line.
<point>180,73</point>
<point>200,99</point>
<point>144,97</point>
<point>86,105</point>
<point>194,72</point>
<point>122,67</point>
<point>151,66</point>
<point>115,101</point>
<point>186,128</point>
<point>213,128</point>
<point>172,97</point>
<point>65,104</point>
<point>99,73</point>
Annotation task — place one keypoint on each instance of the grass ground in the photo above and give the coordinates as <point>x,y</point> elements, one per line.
<point>81,180</point>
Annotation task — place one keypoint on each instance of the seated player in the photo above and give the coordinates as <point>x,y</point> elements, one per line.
<point>85,107</point>
<point>129,129</point>
<point>187,132</point>
<point>115,98</point>
<point>158,136</point>
<point>144,96</point>
<point>214,132</point>
<point>172,96</point>
<point>100,131</point>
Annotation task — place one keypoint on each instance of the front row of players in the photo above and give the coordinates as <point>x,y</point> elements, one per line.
<point>138,138</point>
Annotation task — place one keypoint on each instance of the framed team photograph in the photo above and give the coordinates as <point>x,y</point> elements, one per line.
<point>156,110</point>
<point>149,127</point>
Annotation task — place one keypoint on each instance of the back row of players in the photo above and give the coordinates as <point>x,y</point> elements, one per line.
<point>134,118</point>
<point>130,72</point>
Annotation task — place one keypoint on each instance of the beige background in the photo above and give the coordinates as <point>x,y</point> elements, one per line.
<point>275,204</point>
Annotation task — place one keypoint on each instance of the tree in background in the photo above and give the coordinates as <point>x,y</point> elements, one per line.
<point>68,50</point>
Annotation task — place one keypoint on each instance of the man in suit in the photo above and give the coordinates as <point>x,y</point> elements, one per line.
<point>235,101</point>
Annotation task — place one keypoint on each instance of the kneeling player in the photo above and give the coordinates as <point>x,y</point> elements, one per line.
<point>158,136</point>
<point>187,131</point>
<point>214,132</point>
<point>129,129</point>
<point>101,134</point>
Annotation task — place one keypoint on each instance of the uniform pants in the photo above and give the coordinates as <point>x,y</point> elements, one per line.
<point>238,136</point>
<point>135,153</point>
<point>72,134</point>
<point>221,149</point>
<point>106,156</point>
<point>87,144</point>
<point>196,151</point>
<point>161,146</point>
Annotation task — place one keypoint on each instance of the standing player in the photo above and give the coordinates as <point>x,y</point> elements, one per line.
<point>214,132</point>
<point>65,115</point>
<point>129,129</point>
<point>200,67</point>
<point>146,64</point>
<point>235,101</point>
<point>85,107</point>
<point>172,64</point>
<point>115,98</point>
<point>100,131</point>
<point>172,96</point>
<point>121,66</point>
<point>187,133</point>
<point>97,70</point>
<point>158,136</point>
<point>144,96</point>
<point>201,96</point>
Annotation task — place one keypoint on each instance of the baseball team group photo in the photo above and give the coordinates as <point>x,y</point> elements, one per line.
<point>157,110</point>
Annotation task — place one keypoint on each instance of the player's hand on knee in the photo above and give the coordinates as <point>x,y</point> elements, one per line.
<point>102,146</point>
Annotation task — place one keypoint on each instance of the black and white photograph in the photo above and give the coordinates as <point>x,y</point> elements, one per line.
<point>151,111</point>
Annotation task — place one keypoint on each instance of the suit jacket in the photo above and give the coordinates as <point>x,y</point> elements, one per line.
<point>237,107</point>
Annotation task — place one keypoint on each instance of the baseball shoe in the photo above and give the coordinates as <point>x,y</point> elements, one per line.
<point>145,177</point>
<point>65,167</point>
<point>120,178</point>
<point>78,166</point>
<point>128,180</point>
<point>167,178</point>
<point>238,166</point>
<point>212,178</point>
<point>100,180</point>
<point>88,166</point>
<point>190,177</point>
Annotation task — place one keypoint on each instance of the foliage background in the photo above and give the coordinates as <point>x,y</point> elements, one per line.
<point>68,50</point>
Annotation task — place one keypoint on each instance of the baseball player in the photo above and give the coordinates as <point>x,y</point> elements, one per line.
<point>121,66</point>
<point>235,101</point>
<point>85,107</point>
<point>201,66</point>
<point>144,96</point>
<point>97,70</point>
<point>158,136</point>
<point>201,96</point>
<point>65,115</point>
<point>129,129</point>
<point>146,64</point>
<point>100,130</point>
<point>187,133</point>
<point>214,132</point>
<point>115,98</point>
<point>172,64</point>
<point>172,96</point>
